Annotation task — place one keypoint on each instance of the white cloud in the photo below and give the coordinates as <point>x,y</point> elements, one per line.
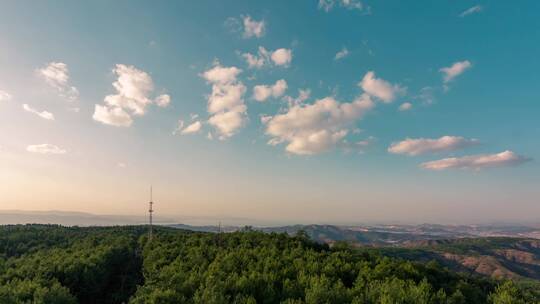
<point>255,61</point>
<point>192,128</point>
<point>477,162</point>
<point>114,116</point>
<point>121,165</point>
<point>380,88</point>
<point>405,106</point>
<point>263,92</point>
<point>179,127</point>
<point>42,114</point>
<point>225,103</point>
<point>163,100</point>
<point>328,5</point>
<point>253,28</point>
<point>4,96</point>
<point>418,146</point>
<point>245,24</point>
<point>56,74</point>
<point>45,149</point>
<point>451,72</point>
<point>226,97</point>
<point>227,123</point>
<point>342,54</point>
<point>133,88</point>
<point>303,95</point>
<point>315,128</point>
<point>279,57</point>
<point>282,57</point>
<point>472,10</point>
<point>221,75</point>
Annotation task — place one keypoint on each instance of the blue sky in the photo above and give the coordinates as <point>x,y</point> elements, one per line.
<point>412,111</point>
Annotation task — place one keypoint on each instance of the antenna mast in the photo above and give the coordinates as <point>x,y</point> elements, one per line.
<point>150,211</point>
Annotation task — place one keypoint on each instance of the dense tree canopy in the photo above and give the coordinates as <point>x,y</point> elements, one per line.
<point>52,264</point>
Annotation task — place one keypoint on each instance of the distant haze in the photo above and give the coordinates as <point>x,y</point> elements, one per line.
<point>8,217</point>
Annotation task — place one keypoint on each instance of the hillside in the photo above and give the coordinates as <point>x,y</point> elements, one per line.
<point>53,264</point>
<point>456,247</point>
<point>512,258</point>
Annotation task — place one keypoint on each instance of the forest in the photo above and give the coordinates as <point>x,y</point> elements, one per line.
<point>55,264</point>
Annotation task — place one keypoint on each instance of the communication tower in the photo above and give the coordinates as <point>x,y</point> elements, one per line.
<point>150,211</point>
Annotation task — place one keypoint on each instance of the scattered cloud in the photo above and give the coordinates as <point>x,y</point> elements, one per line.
<point>380,88</point>
<point>42,114</point>
<point>472,10</point>
<point>133,88</point>
<point>121,165</point>
<point>328,5</point>
<point>192,128</point>
<point>456,69</point>
<point>263,92</point>
<point>4,96</point>
<point>179,127</point>
<point>303,95</point>
<point>477,162</point>
<point>226,102</point>
<point>359,146</point>
<point>113,116</point>
<point>253,28</point>
<point>221,75</point>
<point>56,74</point>
<point>418,146</point>
<point>280,57</point>
<point>426,95</point>
<point>163,100</point>
<point>245,24</point>
<point>342,54</point>
<point>406,106</point>
<point>256,61</point>
<point>365,142</point>
<point>45,149</point>
<point>314,128</point>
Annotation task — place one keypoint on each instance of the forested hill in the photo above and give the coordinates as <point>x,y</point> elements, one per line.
<point>53,264</point>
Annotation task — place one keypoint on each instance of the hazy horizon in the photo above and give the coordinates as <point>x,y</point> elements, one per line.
<point>273,112</point>
<point>60,217</point>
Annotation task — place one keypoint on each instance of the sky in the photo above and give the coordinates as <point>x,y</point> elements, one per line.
<point>331,111</point>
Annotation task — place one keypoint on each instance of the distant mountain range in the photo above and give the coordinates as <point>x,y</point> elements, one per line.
<point>389,235</point>
<point>372,235</point>
<point>68,218</point>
